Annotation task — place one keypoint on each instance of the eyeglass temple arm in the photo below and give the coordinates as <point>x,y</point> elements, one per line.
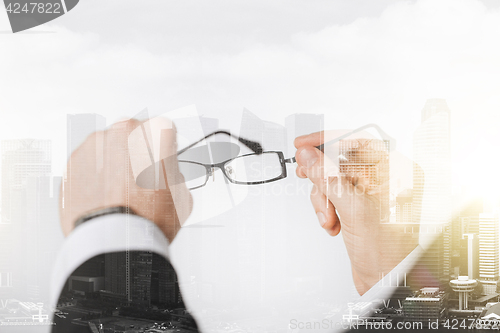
<point>384,135</point>
<point>252,145</point>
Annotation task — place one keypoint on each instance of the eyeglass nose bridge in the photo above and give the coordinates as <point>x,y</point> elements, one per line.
<point>212,168</point>
<point>211,172</point>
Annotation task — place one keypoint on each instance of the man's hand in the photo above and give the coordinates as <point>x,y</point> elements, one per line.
<point>352,203</point>
<point>100,175</point>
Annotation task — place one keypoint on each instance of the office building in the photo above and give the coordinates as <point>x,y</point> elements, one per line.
<point>301,124</point>
<point>128,276</point>
<point>469,256</point>
<point>432,185</point>
<point>488,251</point>
<point>42,214</point>
<point>426,306</point>
<point>429,270</point>
<point>404,206</point>
<point>79,127</point>
<point>116,276</point>
<point>26,169</point>
<point>472,207</point>
<point>85,284</point>
<point>432,182</point>
<point>271,136</point>
<point>20,159</point>
<point>164,284</point>
<point>259,266</point>
<point>194,128</point>
<point>461,226</point>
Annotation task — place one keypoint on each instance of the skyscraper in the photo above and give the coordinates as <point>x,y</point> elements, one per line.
<point>194,128</point>
<point>20,159</point>
<point>40,241</point>
<point>258,266</point>
<point>80,126</point>
<point>404,206</point>
<point>431,148</point>
<point>115,279</point>
<point>301,124</point>
<point>164,283</point>
<point>128,276</point>
<point>469,256</point>
<point>432,185</point>
<point>23,162</point>
<point>488,251</point>
<point>462,226</point>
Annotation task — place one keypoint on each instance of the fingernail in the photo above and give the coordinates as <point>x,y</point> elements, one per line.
<point>307,157</point>
<point>321,218</point>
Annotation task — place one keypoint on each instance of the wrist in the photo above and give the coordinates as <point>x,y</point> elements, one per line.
<point>103,211</point>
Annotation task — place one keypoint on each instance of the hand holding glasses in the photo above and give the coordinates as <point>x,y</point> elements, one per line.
<point>259,167</point>
<point>255,168</point>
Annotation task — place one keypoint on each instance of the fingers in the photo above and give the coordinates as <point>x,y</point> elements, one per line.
<point>181,195</point>
<point>324,174</point>
<point>153,155</point>
<point>162,135</point>
<point>325,211</point>
<point>149,142</point>
<point>318,138</point>
<point>313,164</point>
<point>314,139</point>
<point>300,172</point>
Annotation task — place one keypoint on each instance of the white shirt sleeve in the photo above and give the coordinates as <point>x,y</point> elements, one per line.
<point>105,234</point>
<point>392,280</point>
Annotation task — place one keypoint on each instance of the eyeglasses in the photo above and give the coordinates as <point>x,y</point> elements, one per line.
<point>259,167</point>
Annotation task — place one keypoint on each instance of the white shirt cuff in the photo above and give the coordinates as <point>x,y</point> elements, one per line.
<point>105,234</point>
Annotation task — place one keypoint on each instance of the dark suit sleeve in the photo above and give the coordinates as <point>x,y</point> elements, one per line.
<point>122,291</point>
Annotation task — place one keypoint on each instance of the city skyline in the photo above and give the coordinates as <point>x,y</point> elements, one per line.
<point>459,272</point>
<point>470,224</point>
<point>28,206</point>
<point>255,255</point>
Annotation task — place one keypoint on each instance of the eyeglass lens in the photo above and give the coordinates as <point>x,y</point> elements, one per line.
<point>246,169</point>
<point>254,168</point>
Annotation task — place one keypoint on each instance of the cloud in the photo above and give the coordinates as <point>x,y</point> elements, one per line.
<point>379,69</point>
<point>372,69</point>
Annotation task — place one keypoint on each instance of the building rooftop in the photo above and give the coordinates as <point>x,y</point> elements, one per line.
<point>493,311</point>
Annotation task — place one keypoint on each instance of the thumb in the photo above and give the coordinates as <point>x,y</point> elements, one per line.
<point>171,176</point>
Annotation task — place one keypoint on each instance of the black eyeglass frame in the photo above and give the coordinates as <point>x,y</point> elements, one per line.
<point>210,169</point>
<point>252,145</point>
<point>258,150</point>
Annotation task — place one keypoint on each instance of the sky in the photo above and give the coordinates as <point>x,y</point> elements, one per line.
<point>357,62</point>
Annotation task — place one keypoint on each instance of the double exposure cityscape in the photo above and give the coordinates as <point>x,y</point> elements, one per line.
<point>452,283</point>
